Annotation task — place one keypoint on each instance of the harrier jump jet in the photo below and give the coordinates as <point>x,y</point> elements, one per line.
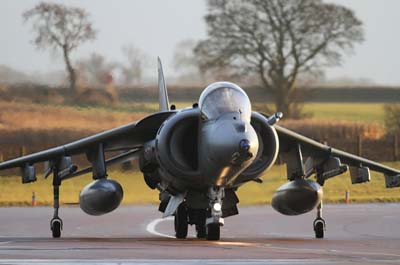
<point>197,157</point>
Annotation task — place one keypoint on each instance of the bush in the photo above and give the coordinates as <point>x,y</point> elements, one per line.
<point>392,118</point>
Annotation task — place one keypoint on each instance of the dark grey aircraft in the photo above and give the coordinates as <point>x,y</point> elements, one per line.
<point>198,157</point>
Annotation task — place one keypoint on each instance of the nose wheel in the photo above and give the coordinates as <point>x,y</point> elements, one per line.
<point>213,231</point>
<point>319,223</point>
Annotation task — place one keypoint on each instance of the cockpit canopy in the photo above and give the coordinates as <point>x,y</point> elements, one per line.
<point>224,97</point>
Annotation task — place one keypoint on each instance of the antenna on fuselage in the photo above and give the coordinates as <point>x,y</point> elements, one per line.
<point>162,89</point>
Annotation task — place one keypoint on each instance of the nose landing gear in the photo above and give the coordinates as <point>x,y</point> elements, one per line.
<point>215,220</point>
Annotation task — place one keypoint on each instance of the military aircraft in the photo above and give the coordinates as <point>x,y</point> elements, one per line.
<point>197,157</point>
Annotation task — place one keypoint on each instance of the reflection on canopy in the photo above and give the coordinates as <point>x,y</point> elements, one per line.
<point>224,97</point>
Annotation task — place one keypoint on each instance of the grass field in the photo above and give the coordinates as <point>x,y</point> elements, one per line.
<point>359,112</point>
<point>354,112</point>
<point>15,115</point>
<point>12,192</point>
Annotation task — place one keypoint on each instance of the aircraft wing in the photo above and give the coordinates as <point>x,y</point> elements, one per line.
<point>305,157</point>
<point>125,138</point>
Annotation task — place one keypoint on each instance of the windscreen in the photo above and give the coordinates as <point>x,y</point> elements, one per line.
<point>223,97</point>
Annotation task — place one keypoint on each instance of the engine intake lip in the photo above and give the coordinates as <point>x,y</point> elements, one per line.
<point>170,144</point>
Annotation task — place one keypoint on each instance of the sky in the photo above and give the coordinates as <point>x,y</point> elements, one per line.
<point>156,26</point>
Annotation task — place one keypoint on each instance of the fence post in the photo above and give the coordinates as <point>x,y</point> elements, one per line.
<point>359,145</point>
<point>395,147</point>
<point>22,151</point>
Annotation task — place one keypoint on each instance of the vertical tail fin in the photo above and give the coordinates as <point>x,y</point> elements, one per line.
<point>162,89</point>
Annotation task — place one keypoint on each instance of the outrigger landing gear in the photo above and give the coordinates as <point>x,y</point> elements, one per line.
<point>56,223</point>
<point>215,220</point>
<point>319,223</point>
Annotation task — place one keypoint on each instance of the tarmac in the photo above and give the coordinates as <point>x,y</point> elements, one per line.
<point>356,234</point>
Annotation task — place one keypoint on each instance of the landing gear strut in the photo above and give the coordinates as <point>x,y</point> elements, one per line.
<point>319,223</point>
<point>56,223</point>
<point>181,221</point>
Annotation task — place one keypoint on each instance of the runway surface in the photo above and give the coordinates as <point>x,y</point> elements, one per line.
<point>356,234</point>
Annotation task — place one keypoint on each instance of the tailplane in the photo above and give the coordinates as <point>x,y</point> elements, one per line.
<point>162,89</point>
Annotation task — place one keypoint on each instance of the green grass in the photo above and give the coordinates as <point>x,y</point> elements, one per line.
<point>12,192</point>
<point>356,112</point>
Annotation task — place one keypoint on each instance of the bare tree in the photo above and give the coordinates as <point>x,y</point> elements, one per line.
<point>279,40</point>
<point>94,70</point>
<point>184,58</point>
<point>186,63</point>
<point>132,72</point>
<point>190,65</point>
<point>60,27</point>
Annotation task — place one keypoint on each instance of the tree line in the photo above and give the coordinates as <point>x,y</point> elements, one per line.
<point>274,44</point>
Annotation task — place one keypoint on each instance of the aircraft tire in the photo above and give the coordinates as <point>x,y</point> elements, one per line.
<point>319,228</point>
<point>213,231</point>
<point>181,222</point>
<point>201,231</point>
<point>56,228</point>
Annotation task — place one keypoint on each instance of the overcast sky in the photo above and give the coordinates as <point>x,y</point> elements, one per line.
<point>156,26</point>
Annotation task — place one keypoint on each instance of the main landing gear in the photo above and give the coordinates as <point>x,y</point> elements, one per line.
<point>183,217</point>
<point>208,221</point>
<point>181,221</point>
<point>319,223</point>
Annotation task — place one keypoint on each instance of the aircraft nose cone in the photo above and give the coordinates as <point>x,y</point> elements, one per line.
<point>240,127</point>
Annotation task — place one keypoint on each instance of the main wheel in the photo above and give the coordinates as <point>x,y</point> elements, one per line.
<point>319,228</point>
<point>181,222</point>
<point>213,231</point>
<point>201,231</point>
<point>56,226</point>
